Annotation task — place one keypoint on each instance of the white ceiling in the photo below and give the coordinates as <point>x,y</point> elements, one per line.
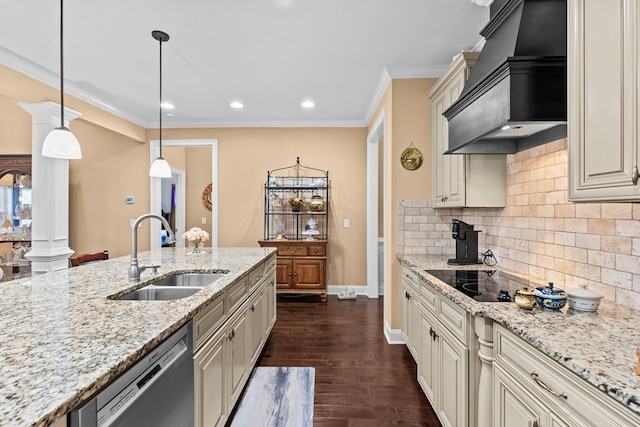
<point>269,54</point>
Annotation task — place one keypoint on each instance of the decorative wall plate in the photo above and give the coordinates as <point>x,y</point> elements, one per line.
<point>206,196</point>
<point>411,158</point>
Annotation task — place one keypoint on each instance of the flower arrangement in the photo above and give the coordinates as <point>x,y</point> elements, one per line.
<point>196,236</point>
<point>296,201</point>
<point>196,233</point>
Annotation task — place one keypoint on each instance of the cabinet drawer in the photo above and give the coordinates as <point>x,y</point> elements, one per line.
<point>206,323</point>
<point>455,319</point>
<point>583,401</point>
<point>237,295</point>
<point>292,251</point>
<point>411,278</point>
<point>255,276</point>
<point>428,297</point>
<point>316,250</point>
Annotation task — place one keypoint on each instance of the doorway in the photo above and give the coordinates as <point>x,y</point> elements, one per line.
<point>155,190</point>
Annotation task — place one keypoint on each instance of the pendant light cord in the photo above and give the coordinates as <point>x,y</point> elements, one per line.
<point>160,41</point>
<point>61,65</point>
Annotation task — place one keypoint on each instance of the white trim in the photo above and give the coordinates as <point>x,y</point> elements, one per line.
<point>416,71</point>
<point>378,133</point>
<point>208,124</point>
<point>384,81</point>
<point>393,336</point>
<point>155,187</point>
<point>485,3</point>
<point>337,289</point>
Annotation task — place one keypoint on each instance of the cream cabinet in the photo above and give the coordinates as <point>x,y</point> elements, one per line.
<point>531,389</point>
<point>443,364</point>
<point>603,84</point>
<point>409,320</point>
<point>439,335</point>
<point>229,336</point>
<point>460,180</point>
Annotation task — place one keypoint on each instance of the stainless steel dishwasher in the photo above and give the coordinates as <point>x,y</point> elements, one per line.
<point>156,392</point>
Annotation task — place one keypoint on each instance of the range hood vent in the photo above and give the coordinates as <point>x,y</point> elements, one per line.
<point>516,95</point>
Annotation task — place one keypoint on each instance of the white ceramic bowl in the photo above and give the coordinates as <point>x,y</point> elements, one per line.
<point>583,299</point>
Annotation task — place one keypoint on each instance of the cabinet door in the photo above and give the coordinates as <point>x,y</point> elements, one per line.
<point>513,406</point>
<point>257,321</point>
<point>309,273</point>
<point>452,389</point>
<point>440,132</point>
<point>270,304</point>
<point>284,273</point>
<point>210,383</point>
<point>410,319</point>
<point>239,358</point>
<point>602,100</point>
<point>427,355</point>
<point>454,164</point>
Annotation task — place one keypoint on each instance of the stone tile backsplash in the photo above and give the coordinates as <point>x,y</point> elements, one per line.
<point>540,233</point>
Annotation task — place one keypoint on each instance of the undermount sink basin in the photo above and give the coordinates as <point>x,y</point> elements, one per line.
<point>159,293</point>
<point>172,287</point>
<point>196,280</point>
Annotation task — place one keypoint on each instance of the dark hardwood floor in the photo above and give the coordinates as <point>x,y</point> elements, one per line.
<point>360,379</point>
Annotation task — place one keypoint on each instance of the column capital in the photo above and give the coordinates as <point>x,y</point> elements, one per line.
<point>49,110</point>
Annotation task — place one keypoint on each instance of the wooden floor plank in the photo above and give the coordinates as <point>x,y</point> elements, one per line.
<point>361,381</point>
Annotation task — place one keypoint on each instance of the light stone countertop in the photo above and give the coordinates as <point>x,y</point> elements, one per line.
<point>598,347</point>
<point>62,339</point>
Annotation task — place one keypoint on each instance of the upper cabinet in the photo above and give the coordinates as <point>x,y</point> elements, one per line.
<point>462,180</point>
<point>603,74</point>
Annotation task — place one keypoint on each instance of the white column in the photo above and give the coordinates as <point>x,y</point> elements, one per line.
<point>484,332</point>
<point>50,183</point>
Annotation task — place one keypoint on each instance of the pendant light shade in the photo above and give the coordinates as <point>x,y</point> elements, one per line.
<point>60,143</point>
<point>160,168</point>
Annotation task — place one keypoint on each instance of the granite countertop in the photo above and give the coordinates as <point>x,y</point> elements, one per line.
<point>599,347</point>
<point>62,339</point>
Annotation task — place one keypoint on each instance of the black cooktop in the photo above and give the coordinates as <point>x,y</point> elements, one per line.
<point>484,285</point>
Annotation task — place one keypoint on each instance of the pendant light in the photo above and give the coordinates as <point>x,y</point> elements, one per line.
<point>60,143</point>
<point>160,168</point>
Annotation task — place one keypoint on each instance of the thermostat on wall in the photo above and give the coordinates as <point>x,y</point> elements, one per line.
<point>129,200</point>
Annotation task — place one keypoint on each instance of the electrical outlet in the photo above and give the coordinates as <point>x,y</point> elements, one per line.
<point>204,219</point>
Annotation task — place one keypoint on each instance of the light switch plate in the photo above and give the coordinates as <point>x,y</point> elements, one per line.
<point>347,223</point>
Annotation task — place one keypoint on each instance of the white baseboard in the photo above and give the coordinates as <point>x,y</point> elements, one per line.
<point>338,289</point>
<point>393,336</point>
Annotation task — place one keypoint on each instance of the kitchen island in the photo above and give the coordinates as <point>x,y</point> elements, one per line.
<point>63,338</point>
<point>597,351</point>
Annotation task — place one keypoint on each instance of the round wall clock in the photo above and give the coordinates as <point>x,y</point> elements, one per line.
<point>206,196</point>
<point>411,158</point>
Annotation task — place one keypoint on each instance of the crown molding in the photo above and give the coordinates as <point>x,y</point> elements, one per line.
<point>485,3</point>
<point>264,124</point>
<point>416,71</point>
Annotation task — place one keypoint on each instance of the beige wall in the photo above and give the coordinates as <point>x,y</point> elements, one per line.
<point>408,120</point>
<point>539,233</point>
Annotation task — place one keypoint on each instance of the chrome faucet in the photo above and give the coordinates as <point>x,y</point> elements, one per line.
<point>134,268</point>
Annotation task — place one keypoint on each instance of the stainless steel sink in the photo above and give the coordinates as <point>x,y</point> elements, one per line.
<point>159,293</point>
<point>197,280</point>
<point>173,287</point>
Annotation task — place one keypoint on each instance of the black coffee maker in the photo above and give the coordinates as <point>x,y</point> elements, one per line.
<point>466,243</point>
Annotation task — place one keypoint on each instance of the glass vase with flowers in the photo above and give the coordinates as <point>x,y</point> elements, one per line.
<point>196,236</point>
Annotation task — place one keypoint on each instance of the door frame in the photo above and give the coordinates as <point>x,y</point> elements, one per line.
<point>155,187</point>
<point>377,134</point>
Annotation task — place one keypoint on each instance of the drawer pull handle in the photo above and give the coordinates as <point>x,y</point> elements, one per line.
<point>634,175</point>
<point>534,376</point>
<point>292,251</point>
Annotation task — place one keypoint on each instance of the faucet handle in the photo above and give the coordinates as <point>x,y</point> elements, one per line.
<point>153,267</point>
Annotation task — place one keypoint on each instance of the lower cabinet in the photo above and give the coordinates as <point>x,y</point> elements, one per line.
<point>531,389</point>
<point>443,370</point>
<point>439,334</point>
<point>409,321</point>
<point>229,337</point>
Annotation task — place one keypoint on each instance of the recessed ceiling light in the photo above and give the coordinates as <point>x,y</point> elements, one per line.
<point>237,105</point>
<point>308,104</point>
<point>170,115</point>
<point>167,105</point>
<point>505,127</point>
